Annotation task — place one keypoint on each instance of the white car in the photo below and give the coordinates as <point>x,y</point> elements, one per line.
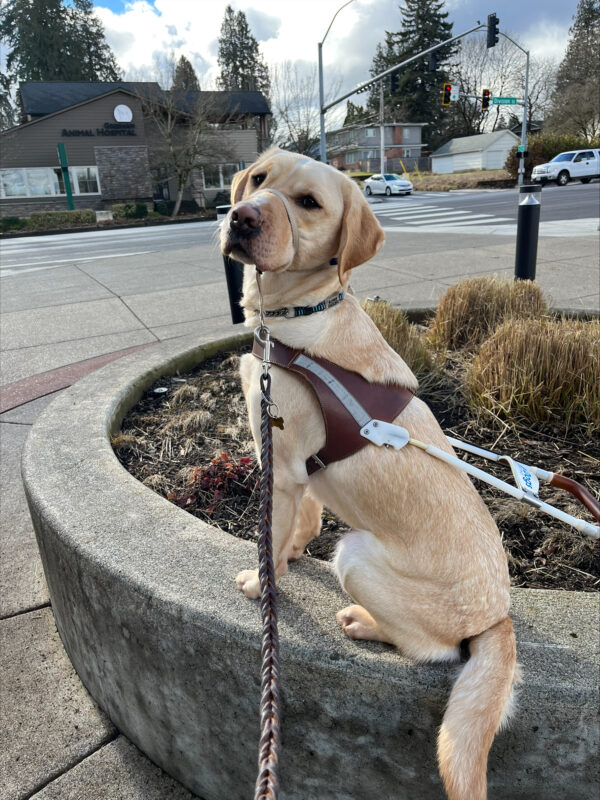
<point>582,165</point>
<point>389,184</point>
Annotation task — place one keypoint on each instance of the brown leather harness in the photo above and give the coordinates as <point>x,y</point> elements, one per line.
<point>347,400</point>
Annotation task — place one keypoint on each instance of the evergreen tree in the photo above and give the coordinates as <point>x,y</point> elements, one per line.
<point>576,99</point>
<point>185,77</point>
<point>50,40</point>
<point>418,95</point>
<point>242,65</point>
<point>357,115</point>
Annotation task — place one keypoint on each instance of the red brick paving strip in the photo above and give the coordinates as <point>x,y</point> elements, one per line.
<point>24,391</point>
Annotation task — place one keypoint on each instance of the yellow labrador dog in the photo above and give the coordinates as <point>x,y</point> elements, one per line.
<point>424,562</point>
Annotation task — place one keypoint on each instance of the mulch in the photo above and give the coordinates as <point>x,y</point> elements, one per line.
<point>188,439</point>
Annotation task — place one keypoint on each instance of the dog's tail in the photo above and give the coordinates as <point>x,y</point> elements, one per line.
<point>480,702</point>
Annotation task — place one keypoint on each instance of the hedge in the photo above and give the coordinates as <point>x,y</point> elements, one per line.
<point>12,223</point>
<point>129,210</point>
<point>543,147</point>
<point>62,219</point>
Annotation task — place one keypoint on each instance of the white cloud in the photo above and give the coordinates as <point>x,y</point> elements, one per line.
<point>286,29</point>
<point>546,39</point>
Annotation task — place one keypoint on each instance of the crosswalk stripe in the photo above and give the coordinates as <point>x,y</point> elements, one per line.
<point>474,221</point>
<point>390,212</point>
<point>423,213</point>
<point>437,214</point>
<point>451,218</point>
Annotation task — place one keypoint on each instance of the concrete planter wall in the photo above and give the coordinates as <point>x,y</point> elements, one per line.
<point>145,603</point>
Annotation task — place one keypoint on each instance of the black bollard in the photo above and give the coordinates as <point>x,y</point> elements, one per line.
<point>528,223</point>
<point>234,275</point>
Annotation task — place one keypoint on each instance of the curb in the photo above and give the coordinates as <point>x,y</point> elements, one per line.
<point>145,604</point>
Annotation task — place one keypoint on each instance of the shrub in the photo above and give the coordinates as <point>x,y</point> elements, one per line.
<point>401,336</point>
<point>129,210</point>
<point>543,147</point>
<point>161,207</point>
<point>62,219</point>
<point>472,309</point>
<point>539,370</point>
<point>12,223</point>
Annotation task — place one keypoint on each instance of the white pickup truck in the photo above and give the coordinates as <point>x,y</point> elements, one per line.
<point>580,165</point>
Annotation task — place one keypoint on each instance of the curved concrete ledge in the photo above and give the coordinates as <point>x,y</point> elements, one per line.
<point>145,603</point>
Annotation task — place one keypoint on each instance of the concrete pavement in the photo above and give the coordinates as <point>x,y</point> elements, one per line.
<point>57,743</point>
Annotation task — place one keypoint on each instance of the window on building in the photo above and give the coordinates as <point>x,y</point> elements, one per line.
<point>40,182</point>
<point>13,183</point>
<point>371,132</point>
<point>86,179</point>
<point>228,171</point>
<point>212,176</point>
<point>47,181</point>
<point>407,135</point>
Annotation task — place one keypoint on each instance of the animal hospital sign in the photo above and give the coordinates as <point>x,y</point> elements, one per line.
<point>108,129</point>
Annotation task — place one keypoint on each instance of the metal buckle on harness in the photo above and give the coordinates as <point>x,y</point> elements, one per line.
<point>385,433</point>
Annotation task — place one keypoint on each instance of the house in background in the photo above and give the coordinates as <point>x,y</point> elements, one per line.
<point>111,145</point>
<point>357,148</point>
<point>483,151</point>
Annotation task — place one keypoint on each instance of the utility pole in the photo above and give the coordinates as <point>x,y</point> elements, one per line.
<point>382,130</point>
<point>323,147</point>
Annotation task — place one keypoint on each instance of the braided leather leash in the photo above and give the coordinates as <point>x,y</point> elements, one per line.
<point>267,781</point>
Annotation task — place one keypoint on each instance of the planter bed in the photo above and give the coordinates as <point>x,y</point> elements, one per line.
<point>145,603</point>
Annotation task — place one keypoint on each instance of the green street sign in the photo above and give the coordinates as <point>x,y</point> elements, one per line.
<point>504,101</point>
<point>521,148</point>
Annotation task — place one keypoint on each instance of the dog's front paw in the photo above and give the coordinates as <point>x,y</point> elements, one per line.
<point>247,582</point>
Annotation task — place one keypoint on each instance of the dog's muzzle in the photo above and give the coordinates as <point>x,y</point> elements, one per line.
<point>244,222</point>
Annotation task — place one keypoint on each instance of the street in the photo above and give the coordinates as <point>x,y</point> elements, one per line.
<point>75,297</point>
<point>428,211</point>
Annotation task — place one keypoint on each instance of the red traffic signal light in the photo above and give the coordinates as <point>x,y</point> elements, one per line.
<point>485,99</point>
<point>493,30</point>
<point>447,92</point>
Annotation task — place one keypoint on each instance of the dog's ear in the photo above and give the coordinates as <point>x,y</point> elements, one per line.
<point>361,236</point>
<point>238,185</point>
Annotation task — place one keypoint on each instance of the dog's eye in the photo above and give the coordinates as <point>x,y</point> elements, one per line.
<point>309,202</point>
<point>258,179</point>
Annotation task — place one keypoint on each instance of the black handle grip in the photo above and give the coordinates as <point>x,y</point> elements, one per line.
<point>234,274</point>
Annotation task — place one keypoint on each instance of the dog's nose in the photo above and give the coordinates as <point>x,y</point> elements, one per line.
<point>245,219</point>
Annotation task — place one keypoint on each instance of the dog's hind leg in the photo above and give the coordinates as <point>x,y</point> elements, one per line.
<point>391,605</point>
<point>308,525</point>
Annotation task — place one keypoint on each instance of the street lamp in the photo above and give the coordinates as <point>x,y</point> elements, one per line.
<point>321,93</point>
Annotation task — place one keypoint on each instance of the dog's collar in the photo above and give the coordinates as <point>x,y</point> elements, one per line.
<point>290,312</point>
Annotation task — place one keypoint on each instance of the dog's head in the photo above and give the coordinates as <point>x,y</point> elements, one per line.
<point>290,212</point>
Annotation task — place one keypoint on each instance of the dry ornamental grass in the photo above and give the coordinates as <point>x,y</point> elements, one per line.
<point>471,310</point>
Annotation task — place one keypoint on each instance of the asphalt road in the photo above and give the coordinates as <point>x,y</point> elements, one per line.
<point>574,201</point>
<point>470,209</point>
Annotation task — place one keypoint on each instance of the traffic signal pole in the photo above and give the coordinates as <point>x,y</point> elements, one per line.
<point>524,141</point>
<point>324,108</point>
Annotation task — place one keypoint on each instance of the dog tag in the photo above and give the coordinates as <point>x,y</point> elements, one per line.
<point>278,422</point>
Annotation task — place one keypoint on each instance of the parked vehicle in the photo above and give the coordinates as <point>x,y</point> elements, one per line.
<point>580,165</point>
<point>388,183</point>
<point>359,177</point>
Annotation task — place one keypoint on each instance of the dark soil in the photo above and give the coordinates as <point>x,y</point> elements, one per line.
<point>188,439</point>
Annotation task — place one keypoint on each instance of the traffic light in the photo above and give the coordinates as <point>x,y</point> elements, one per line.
<point>447,92</point>
<point>485,99</point>
<point>394,82</point>
<point>493,30</point>
<point>433,61</point>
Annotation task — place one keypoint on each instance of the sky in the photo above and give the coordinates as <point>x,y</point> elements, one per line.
<point>291,29</point>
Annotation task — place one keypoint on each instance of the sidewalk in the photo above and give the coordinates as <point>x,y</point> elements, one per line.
<point>60,324</point>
